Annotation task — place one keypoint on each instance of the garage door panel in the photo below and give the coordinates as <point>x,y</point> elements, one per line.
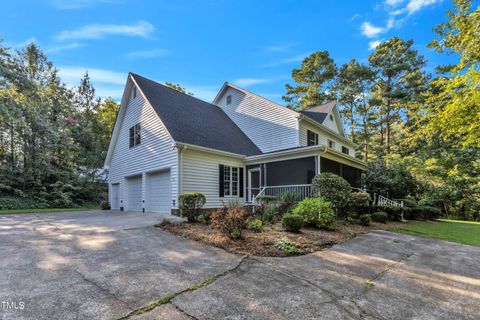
<point>159,192</point>
<point>134,193</point>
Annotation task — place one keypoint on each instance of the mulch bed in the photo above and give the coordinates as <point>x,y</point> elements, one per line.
<point>262,244</point>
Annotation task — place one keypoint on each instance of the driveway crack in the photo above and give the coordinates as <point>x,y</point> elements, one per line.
<point>90,281</point>
<point>183,311</point>
<point>168,298</point>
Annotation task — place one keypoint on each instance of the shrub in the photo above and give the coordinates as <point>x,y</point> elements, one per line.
<point>12,203</point>
<point>326,220</point>
<point>365,219</point>
<point>360,199</point>
<point>255,225</point>
<point>269,212</point>
<point>424,213</point>
<point>333,188</point>
<point>288,246</point>
<point>191,204</point>
<point>266,199</point>
<point>292,222</point>
<point>379,217</point>
<point>230,221</point>
<point>312,209</point>
<point>104,205</point>
<point>393,213</point>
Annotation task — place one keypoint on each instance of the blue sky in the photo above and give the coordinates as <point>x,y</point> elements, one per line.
<point>201,44</point>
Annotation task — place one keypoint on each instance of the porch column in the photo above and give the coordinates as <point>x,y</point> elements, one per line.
<point>318,164</point>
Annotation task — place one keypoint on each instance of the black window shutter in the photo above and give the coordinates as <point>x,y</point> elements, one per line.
<point>131,132</point>
<point>241,182</point>
<point>220,180</point>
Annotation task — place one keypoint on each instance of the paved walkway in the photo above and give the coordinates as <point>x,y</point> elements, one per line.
<point>103,265</point>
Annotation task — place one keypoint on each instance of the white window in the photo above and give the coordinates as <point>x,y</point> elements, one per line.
<point>331,117</point>
<point>231,181</point>
<point>134,92</point>
<point>135,135</point>
<point>229,99</point>
<point>345,150</point>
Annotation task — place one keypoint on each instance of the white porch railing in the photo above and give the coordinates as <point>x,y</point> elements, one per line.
<point>382,201</point>
<point>302,190</point>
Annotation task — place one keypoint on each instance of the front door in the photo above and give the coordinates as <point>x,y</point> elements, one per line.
<point>254,180</point>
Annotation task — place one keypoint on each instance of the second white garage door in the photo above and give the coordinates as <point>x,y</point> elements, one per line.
<point>159,192</point>
<point>134,193</point>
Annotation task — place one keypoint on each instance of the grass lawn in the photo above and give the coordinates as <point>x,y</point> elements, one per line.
<point>466,232</point>
<point>48,210</point>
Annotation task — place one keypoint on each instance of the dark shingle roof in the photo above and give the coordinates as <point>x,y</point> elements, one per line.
<point>319,113</point>
<point>193,121</point>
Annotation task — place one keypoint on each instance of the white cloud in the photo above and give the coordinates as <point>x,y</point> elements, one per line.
<point>416,5</point>
<point>247,82</point>
<point>99,31</point>
<point>289,60</point>
<point>371,31</point>
<point>21,44</point>
<point>78,4</point>
<point>373,44</point>
<point>69,46</point>
<point>393,2</point>
<point>148,53</point>
<point>279,48</point>
<point>71,75</point>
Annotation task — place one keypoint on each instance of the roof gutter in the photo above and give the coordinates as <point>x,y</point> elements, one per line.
<point>285,152</point>
<point>184,146</point>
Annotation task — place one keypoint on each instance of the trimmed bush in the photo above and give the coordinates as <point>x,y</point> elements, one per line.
<point>425,213</point>
<point>191,204</point>
<point>361,199</point>
<point>365,219</point>
<point>230,221</point>
<point>255,225</point>
<point>334,189</point>
<point>393,213</point>
<point>292,222</point>
<point>379,217</point>
<point>316,212</point>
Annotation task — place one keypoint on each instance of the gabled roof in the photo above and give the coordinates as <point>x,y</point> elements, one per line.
<point>193,121</point>
<point>319,113</point>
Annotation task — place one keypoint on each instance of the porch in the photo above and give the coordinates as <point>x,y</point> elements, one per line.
<point>292,171</point>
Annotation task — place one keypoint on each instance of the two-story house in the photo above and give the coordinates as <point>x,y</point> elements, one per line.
<point>241,145</point>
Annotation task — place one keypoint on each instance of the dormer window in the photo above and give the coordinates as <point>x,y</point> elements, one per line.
<point>134,92</point>
<point>312,138</point>
<point>331,144</point>
<point>229,99</point>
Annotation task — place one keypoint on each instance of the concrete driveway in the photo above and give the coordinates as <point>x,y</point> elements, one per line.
<point>103,265</point>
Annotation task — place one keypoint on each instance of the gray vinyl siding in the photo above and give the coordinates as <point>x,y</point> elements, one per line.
<point>155,151</point>
<point>270,126</point>
<point>200,173</point>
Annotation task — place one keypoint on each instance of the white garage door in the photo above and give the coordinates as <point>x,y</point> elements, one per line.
<point>134,193</point>
<point>159,193</point>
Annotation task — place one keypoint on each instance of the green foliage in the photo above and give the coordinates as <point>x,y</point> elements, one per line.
<point>104,205</point>
<point>379,217</point>
<point>54,140</point>
<point>394,213</point>
<point>288,246</point>
<point>360,200</point>
<point>333,188</point>
<point>365,219</point>
<point>292,222</point>
<point>12,203</point>
<point>269,212</point>
<point>178,88</point>
<point>391,180</point>
<point>424,213</point>
<point>316,212</point>
<point>255,225</point>
<point>312,80</point>
<point>266,199</point>
<point>191,204</point>
<point>230,221</point>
